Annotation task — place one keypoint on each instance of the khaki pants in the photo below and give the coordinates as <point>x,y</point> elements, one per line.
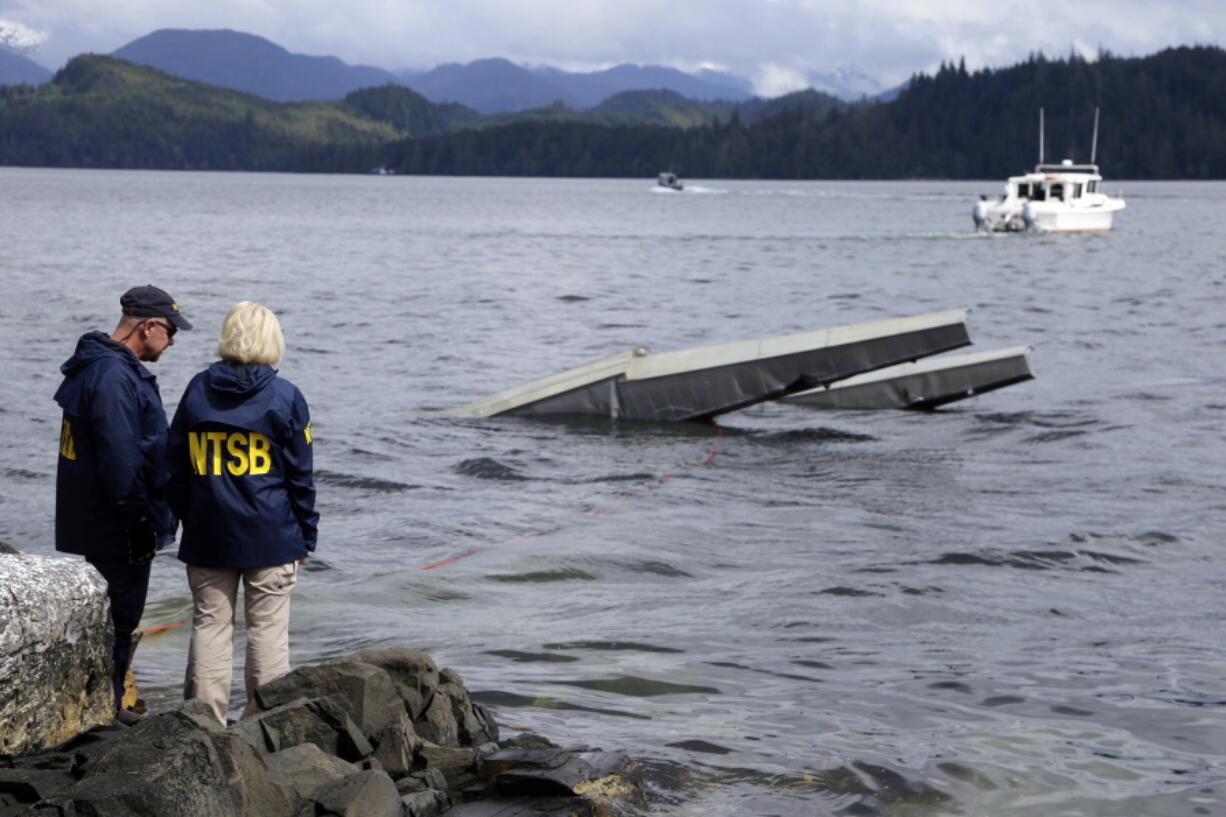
<point>210,662</point>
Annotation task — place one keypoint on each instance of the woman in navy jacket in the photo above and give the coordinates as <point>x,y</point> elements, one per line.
<point>241,482</point>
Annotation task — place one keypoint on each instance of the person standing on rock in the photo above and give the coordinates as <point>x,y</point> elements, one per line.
<point>110,505</point>
<point>241,480</point>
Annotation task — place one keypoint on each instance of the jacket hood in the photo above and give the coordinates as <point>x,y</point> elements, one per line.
<point>93,346</point>
<point>239,379</point>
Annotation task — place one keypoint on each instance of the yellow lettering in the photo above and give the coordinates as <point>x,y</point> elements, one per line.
<point>306,432</point>
<point>260,451</point>
<point>244,453</point>
<point>237,466</point>
<point>216,438</point>
<point>68,447</point>
<point>199,448</point>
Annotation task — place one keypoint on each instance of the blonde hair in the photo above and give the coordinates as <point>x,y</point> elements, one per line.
<point>251,333</point>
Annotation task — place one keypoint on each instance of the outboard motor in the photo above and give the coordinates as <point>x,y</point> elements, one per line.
<point>1029,217</point>
<point>980,214</point>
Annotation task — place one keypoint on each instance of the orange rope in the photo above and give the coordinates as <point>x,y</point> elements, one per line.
<point>151,630</point>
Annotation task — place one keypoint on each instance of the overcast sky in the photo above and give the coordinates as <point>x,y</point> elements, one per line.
<point>775,43</point>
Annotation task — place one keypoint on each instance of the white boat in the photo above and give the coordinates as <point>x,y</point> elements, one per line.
<point>670,180</point>
<point>1064,197</point>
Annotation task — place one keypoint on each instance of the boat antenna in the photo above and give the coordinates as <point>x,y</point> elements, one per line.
<point>1094,141</point>
<point>1040,136</point>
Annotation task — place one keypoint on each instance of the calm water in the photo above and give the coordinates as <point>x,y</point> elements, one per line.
<point>1010,607</point>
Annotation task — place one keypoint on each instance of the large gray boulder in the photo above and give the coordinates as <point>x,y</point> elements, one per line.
<point>55,651</point>
<point>311,757</point>
<point>376,686</point>
<point>321,721</point>
<point>306,767</point>
<point>364,691</point>
<point>170,765</point>
<point>436,700</point>
<point>594,774</point>
<point>396,746</point>
<point>414,674</point>
<point>368,793</point>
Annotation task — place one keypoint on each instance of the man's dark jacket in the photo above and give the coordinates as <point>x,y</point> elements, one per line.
<point>241,469</point>
<point>112,461</point>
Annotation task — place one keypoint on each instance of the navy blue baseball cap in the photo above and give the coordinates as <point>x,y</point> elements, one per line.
<point>151,302</point>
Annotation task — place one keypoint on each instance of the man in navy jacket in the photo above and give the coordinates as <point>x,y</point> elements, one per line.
<point>109,494</point>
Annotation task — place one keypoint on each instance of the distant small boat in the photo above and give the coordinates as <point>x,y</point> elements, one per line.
<point>1064,197</point>
<point>670,180</point>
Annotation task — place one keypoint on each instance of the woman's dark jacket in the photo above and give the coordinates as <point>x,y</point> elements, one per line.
<point>240,469</point>
<point>111,468</point>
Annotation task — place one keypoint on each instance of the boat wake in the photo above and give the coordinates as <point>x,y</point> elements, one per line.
<point>689,188</point>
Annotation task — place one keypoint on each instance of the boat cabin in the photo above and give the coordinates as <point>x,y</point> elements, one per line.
<point>1063,182</point>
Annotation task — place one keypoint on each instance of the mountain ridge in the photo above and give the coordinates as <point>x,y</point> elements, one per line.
<point>16,69</point>
<point>103,111</point>
<point>253,64</point>
<point>249,63</point>
<point>489,85</point>
<point>1162,118</point>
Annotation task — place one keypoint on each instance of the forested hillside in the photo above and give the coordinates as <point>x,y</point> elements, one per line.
<point>101,111</point>
<point>1163,117</point>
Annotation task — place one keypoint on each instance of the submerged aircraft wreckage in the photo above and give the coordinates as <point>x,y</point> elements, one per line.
<point>926,384</point>
<point>701,383</point>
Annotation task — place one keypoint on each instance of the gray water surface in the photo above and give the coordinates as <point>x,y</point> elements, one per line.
<point>1013,606</point>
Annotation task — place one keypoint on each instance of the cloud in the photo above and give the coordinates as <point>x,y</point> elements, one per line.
<point>776,80</point>
<point>17,37</point>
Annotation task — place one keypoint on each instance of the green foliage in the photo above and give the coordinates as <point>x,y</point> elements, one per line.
<point>101,111</point>
<point>1162,117</point>
<point>542,148</point>
<point>659,107</point>
<point>806,101</point>
<point>985,124</point>
<point>407,111</point>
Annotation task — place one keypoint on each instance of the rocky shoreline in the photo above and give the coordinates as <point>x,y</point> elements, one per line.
<point>381,732</point>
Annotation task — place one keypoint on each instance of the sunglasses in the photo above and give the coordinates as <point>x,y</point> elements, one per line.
<point>169,327</point>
